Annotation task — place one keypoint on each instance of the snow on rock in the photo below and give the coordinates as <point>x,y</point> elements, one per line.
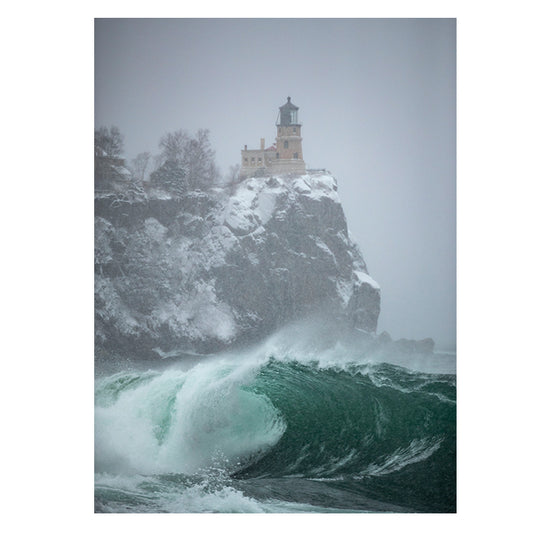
<point>344,290</point>
<point>323,248</point>
<point>155,230</point>
<point>365,278</point>
<point>239,215</point>
<point>216,245</point>
<point>324,185</point>
<point>110,308</point>
<point>301,186</point>
<point>200,315</point>
<point>206,271</point>
<point>256,199</point>
<point>265,204</point>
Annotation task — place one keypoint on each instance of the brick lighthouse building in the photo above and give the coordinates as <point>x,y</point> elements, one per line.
<point>285,156</point>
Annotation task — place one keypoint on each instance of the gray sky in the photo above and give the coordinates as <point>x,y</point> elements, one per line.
<point>377,104</point>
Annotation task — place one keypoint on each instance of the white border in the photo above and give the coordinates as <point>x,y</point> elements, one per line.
<point>47,223</point>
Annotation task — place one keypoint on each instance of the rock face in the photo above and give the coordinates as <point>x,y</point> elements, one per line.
<point>405,346</point>
<point>208,270</point>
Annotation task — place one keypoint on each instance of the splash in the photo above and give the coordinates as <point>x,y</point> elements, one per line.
<point>182,421</point>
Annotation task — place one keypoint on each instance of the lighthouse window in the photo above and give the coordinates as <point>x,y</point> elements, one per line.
<point>285,144</point>
<point>295,155</point>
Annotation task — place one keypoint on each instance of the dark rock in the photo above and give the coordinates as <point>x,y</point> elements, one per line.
<point>409,346</point>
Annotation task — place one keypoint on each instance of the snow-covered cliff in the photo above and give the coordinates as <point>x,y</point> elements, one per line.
<point>205,271</point>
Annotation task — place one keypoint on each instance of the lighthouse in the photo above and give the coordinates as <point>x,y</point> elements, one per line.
<point>285,156</point>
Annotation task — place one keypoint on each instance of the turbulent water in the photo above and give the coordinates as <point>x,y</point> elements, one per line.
<point>278,430</point>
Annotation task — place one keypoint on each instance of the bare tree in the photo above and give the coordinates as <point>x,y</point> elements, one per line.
<point>232,178</point>
<point>193,154</point>
<point>174,145</point>
<point>140,164</point>
<point>201,160</point>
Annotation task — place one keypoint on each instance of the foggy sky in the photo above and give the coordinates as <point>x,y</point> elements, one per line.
<point>377,104</point>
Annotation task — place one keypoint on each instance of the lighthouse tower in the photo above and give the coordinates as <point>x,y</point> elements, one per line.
<point>289,156</point>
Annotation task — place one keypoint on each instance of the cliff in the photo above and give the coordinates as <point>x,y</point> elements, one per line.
<point>203,271</point>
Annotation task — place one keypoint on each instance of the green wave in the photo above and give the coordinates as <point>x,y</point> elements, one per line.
<point>375,430</point>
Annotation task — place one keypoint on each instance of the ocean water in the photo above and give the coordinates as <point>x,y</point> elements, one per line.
<point>278,429</point>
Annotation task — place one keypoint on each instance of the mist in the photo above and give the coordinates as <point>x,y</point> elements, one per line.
<point>378,107</point>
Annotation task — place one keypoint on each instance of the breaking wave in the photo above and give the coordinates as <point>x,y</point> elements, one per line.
<point>272,432</point>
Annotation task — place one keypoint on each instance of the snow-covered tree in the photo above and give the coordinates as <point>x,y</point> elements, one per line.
<point>170,176</point>
<point>108,142</point>
<point>109,167</point>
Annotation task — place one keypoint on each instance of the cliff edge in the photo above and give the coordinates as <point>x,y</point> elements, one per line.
<point>204,271</point>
